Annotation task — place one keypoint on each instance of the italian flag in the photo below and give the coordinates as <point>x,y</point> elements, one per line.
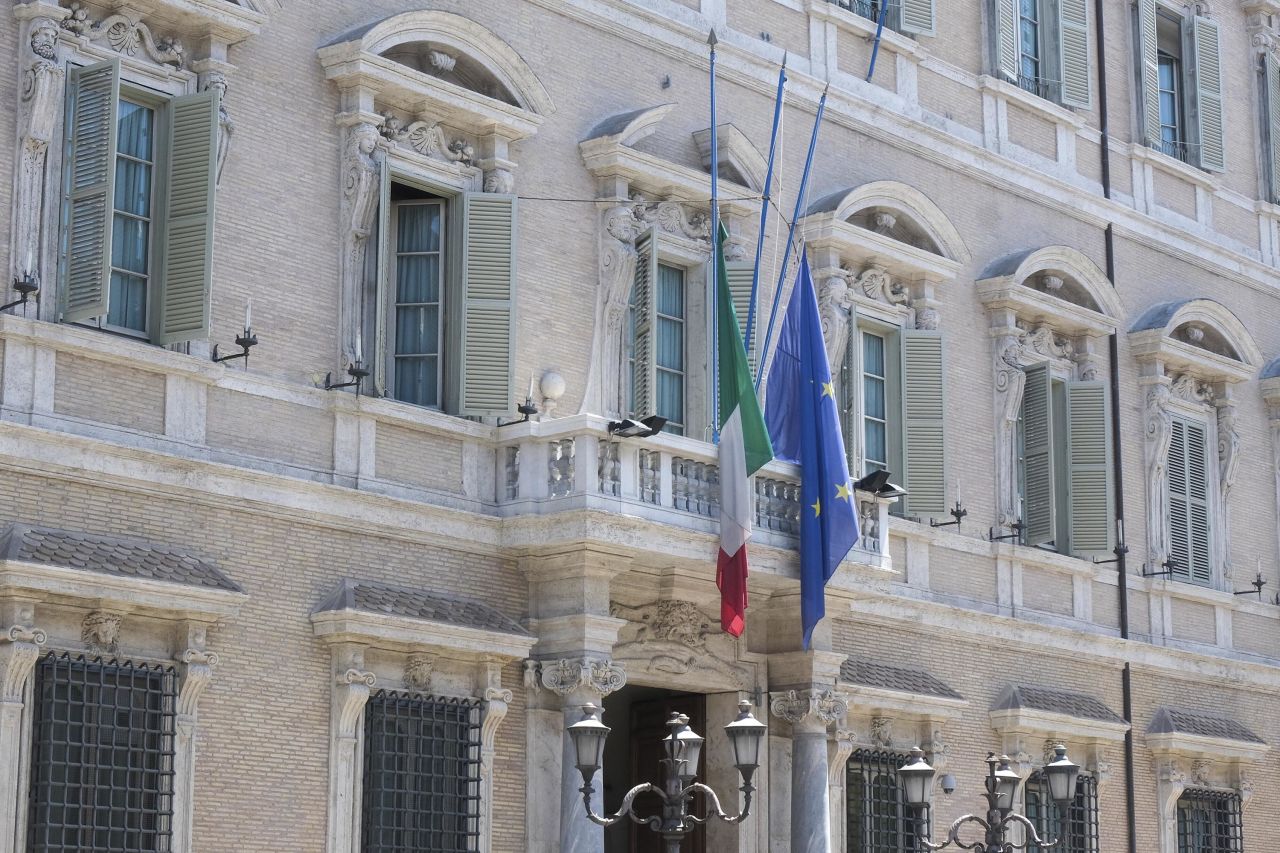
<point>744,449</point>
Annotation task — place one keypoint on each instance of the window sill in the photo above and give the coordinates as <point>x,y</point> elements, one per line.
<point>892,40</point>
<point>1173,166</point>
<point>1033,103</point>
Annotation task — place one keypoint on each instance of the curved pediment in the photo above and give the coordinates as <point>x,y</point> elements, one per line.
<point>1053,282</point>
<point>897,211</point>
<point>1201,324</point>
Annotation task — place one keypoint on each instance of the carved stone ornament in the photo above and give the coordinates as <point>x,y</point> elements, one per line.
<point>1187,387</point>
<point>843,742</point>
<point>100,633</point>
<point>1228,467</point>
<point>125,35</point>
<point>1010,382</point>
<point>350,695</point>
<point>197,672</point>
<point>216,80</point>
<point>674,217</point>
<point>620,225</point>
<point>502,181</point>
<point>675,621</point>
<point>1159,431</point>
<point>1202,773</point>
<point>835,300</point>
<point>1043,339</point>
<point>40,105</point>
<point>429,140</point>
<point>19,651</point>
<point>796,706</point>
<point>882,732</point>
<point>362,156</point>
<point>565,676</point>
<point>939,750</point>
<point>418,670</point>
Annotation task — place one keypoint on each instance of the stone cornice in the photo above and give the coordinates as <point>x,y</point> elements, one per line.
<point>1065,317</point>
<point>861,245</point>
<point>878,701</point>
<point>1178,356</point>
<point>117,593</point>
<point>400,633</point>
<point>1182,744</point>
<point>607,157</point>
<point>1051,725</point>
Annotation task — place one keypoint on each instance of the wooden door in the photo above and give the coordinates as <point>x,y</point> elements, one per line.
<point>648,728</point>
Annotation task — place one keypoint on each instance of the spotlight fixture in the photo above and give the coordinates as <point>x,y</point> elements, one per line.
<point>631,428</point>
<point>27,286</point>
<point>873,482</point>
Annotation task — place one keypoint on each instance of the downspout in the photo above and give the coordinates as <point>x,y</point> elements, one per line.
<point>1117,470</point>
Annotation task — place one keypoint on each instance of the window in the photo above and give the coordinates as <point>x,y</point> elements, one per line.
<point>657,344</point>
<point>872,401</point>
<point>1043,46</point>
<point>1269,88</point>
<point>137,220</point>
<point>905,16</point>
<point>1029,49</point>
<point>1180,80</point>
<point>421,774</point>
<point>1062,448</point>
<point>1188,479</point>
<point>877,819</point>
<point>102,763</point>
<point>419,277</point>
<point>1077,830</point>
<point>670,347</point>
<point>1209,822</point>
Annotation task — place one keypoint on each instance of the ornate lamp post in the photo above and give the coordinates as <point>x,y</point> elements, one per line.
<point>682,746</point>
<point>1002,784</point>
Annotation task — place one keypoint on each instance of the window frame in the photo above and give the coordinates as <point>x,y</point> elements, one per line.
<point>443,301</point>
<point>1181,144</point>
<point>672,426</point>
<point>1193,415</point>
<point>1058,379</point>
<point>852,378</point>
<point>883,762</point>
<point>1215,802</point>
<point>1083,833</point>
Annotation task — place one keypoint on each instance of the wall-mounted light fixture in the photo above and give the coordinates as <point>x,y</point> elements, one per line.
<point>355,370</point>
<point>27,285</point>
<point>246,340</point>
<point>526,409</point>
<point>1016,526</point>
<point>632,428</point>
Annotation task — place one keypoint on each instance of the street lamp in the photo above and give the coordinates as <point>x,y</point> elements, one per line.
<point>683,747</point>
<point>1001,784</point>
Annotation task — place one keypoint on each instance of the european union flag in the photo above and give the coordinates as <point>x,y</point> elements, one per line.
<point>804,425</point>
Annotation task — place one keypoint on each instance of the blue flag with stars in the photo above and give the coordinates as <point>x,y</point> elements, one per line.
<point>804,425</point>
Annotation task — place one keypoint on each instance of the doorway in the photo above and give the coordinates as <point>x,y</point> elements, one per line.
<point>638,716</point>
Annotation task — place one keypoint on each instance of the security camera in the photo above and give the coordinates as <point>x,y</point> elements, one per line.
<point>948,783</point>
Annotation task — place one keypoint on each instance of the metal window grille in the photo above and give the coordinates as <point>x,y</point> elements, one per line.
<point>421,774</point>
<point>1076,831</point>
<point>878,820</point>
<point>1210,822</point>
<point>102,757</point>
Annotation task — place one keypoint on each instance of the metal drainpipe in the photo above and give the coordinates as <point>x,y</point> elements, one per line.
<point>1117,472</point>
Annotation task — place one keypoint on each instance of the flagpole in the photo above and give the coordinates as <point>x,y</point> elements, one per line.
<point>764,204</point>
<point>791,233</point>
<point>715,236</point>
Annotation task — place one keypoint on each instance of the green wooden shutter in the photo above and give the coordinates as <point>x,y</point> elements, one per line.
<point>645,305</point>
<point>1208,94</point>
<point>1148,72</point>
<point>488,311</point>
<point>1189,503</point>
<point>918,17</point>
<point>1003,15</point>
<point>188,248</point>
<point>93,99</point>
<point>1038,507</point>
<point>1271,121</point>
<point>383,294</point>
<point>739,274</point>
<point>1089,504</point>
<point>923,434</point>
<point>1073,27</point>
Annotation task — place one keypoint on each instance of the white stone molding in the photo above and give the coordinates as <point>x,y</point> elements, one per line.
<point>100,633</point>
<point>39,110</point>
<point>126,34</point>
<point>496,702</point>
<point>210,25</point>
<point>1228,467</point>
<point>1270,387</point>
<point>217,79</point>
<point>905,202</point>
<point>569,676</point>
<point>675,642</point>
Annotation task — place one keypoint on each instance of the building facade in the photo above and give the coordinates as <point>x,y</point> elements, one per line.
<point>246,610</point>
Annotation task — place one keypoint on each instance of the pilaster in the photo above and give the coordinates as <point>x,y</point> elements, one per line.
<point>20,644</point>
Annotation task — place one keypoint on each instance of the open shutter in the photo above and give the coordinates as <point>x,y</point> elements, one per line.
<point>1271,122</point>
<point>188,253</point>
<point>1038,510</point>
<point>923,411</point>
<point>1208,93</point>
<point>739,274</point>
<point>1179,513</point>
<point>644,303</point>
<point>1088,480</point>
<point>383,295</point>
<point>1198,504</point>
<point>1148,72</point>
<point>488,294</point>
<point>918,17</point>
<point>1073,25</point>
<point>94,94</point>
<point>1003,17</point>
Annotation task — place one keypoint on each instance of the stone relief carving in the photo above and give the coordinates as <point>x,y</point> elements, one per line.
<point>676,621</point>
<point>362,158</point>
<point>19,650</point>
<point>674,217</point>
<point>502,181</point>
<point>1159,431</point>
<point>1228,467</point>
<point>1187,387</point>
<point>100,632</point>
<point>835,300</point>
<point>197,672</point>
<point>125,35</point>
<point>226,127</point>
<point>428,139</point>
<point>418,670</point>
<point>939,750</point>
<point>40,105</point>
<point>882,732</point>
<point>795,706</point>
<point>563,677</point>
<point>620,226</point>
<point>1009,385</point>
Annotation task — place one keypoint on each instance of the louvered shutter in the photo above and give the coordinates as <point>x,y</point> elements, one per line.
<point>94,94</point>
<point>188,248</point>
<point>1003,15</point>
<point>1073,27</point>
<point>488,310</point>
<point>1271,121</point>
<point>918,16</point>
<point>1038,505</point>
<point>1208,92</point>
<point>1088,482</point>
<point>1148,73</point>
<point>383,292</point>
<point>1189,503</point>
<point>923,412</point>
<point>645,305</point>
<point>739,274</point>
<point>1179,514</point>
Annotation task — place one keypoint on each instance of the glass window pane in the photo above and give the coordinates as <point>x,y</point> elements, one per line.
<point>670,291</point>
<point>670,344</point>
<point>418,278</point>
<point>418,330</point>
<point>671,396</point>
<point>873,397</point>
<point>135,126</point>
<point>872,354</point>
<point>419,228</point>
<point>128,302</point>
<point>129,238</point>
<point>133,187</point>
<point>876,441</point>
<point>417,380</point>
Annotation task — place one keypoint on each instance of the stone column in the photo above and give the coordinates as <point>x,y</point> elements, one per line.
<point>810,712</point>
<point>19,650</point>
<point>577,681</point>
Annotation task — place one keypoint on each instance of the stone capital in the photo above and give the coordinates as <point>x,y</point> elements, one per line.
<point>196,672</point>
<point>814,709</point>
<point>19,650</point>
<point>568,677</point>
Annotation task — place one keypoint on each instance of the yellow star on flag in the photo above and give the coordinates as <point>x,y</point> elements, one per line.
<point>817,507</point>
<point>842,492</point>
<point>829,390</point>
